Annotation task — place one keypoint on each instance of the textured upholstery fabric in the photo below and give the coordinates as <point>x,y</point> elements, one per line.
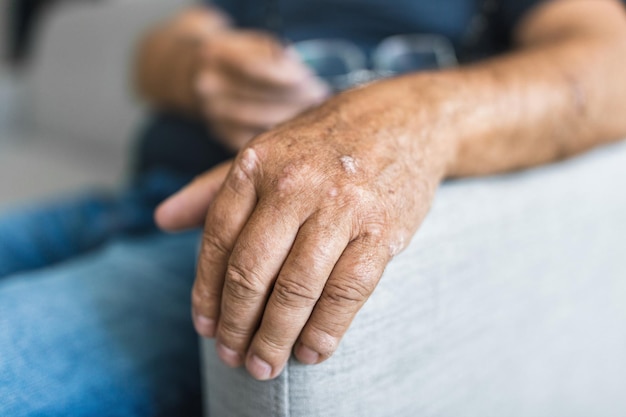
<point>510,301</point>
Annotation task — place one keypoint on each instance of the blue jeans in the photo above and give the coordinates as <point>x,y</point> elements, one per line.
<point>95,301</point>
<point>94,308</point>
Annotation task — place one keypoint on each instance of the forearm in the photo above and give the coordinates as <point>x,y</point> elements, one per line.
<point>553,97</point>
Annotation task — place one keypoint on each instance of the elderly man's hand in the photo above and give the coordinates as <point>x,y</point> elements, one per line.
<point>304,224</point>
<point>301,226</point>
<point>242,82</point>
<point>168,55</point>
<point>247,82</point>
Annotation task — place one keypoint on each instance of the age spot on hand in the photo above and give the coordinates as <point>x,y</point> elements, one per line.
<point>349,164</point>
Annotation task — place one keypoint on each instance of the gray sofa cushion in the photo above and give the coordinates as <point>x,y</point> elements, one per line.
<point>510,301</point>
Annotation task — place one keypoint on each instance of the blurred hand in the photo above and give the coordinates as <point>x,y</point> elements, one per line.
<point>168,58</point>
<point>299,231</point>
<point>241,82</point>
<point>249,82</point>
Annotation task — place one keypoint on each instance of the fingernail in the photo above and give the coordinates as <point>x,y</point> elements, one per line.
<point>205,326</point>
<point>307,356</point>
<point>228,356</point>
<point>258,368</point>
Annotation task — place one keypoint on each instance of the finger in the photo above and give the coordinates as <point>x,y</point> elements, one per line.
<point>255,261</point>
<point>225,218</point>
<point>352,281</point>
<point>187,208</point>
<point>180,78</point>
<point>211,83</point>
<point>317,248</point>
<point>256,58</point>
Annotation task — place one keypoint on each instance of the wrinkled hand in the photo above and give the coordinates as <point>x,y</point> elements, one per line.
<point>307,218</point>
<point>248,82</point>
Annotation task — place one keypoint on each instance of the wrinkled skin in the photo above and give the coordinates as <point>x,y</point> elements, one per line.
<point>299,228</point>
<point>312,210</point>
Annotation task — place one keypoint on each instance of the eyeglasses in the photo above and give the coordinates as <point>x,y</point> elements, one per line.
<point>343,64</point>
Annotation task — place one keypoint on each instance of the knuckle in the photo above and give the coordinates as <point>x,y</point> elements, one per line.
<point>290,293</point>
<point>242,284</point>
<point>239,182</point>
<point>351,196</point>
<point>319,257</point>
<point>208,274</point>
<point>201,292</point>
<point>269,344</point>
<point>203,296</point>
<point>240,179</point>
<point>291,179</point>
<point>348,293</point>
<point>231,331</point>
<point>322,341</point>
<point>374,233</point>
<point>215,244</point>
<point>242,174</point>
<point>248,164</point>
<point>286,184</point>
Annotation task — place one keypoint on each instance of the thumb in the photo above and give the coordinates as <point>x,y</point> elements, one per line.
<point>187,208</point>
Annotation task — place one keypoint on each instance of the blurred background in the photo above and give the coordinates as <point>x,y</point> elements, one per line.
<point>67,112</point>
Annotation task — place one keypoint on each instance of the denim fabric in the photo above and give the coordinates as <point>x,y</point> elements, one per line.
<point>105,334</point>
<point>39,235</point>
<point>177,143</point>
<point>95,302</point>
<point>94,307</point>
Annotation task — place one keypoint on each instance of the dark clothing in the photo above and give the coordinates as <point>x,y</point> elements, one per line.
<point>178,144</point>
<point>367,22</point>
